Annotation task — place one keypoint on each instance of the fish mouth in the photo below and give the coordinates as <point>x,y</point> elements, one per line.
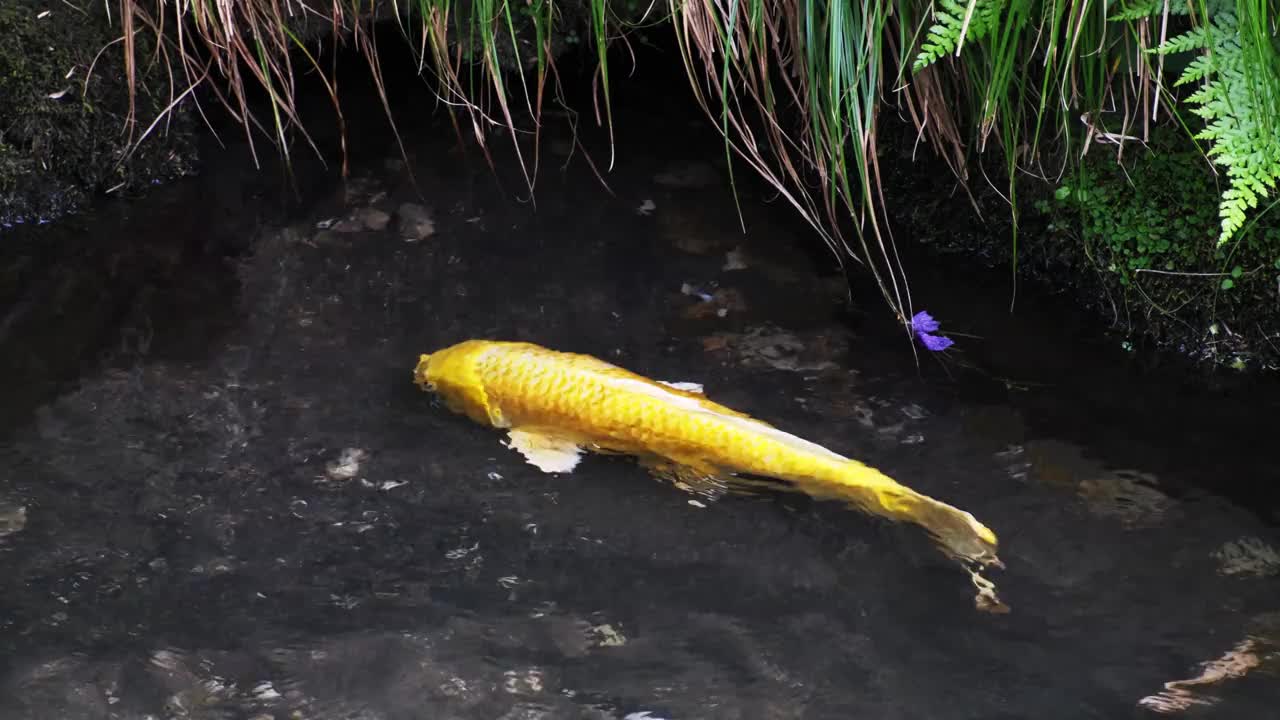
<point>420,373</point>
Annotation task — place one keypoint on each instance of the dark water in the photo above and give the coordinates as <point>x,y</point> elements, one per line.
<point>222,497</point>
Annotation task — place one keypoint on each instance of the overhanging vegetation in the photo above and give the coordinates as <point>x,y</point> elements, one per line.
<point>795,86</point>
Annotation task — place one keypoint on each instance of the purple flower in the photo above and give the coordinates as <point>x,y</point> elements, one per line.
<point>923,325</point>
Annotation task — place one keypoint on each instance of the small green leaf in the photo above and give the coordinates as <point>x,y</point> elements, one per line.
<point>1062,193</point>
<point>1228,283</point>
<point>1237,271</point>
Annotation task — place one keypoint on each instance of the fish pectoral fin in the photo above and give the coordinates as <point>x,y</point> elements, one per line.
<point>692,478</point>
<point>691,387</point>
<point>547,451</point>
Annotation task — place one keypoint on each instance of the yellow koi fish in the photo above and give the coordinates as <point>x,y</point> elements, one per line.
<point>556,405</point>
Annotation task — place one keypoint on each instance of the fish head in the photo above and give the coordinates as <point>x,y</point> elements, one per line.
<point>452,374</point>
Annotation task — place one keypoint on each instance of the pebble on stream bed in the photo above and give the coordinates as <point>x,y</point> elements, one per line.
<point>1250,556</point>
<point>13,519</point>
<point>415,222</point>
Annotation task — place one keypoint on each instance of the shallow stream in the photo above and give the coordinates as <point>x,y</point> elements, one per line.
<point>221,496</point>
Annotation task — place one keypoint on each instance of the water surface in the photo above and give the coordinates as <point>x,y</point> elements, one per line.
<point>222,496</point>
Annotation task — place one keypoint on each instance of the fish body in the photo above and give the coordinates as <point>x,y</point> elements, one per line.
<point>556,405</point>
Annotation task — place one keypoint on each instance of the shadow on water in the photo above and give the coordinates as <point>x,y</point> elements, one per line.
<point>254,513</point>
<point>130,279</point>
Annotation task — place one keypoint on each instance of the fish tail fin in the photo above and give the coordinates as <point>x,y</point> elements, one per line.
<point>957,532</point>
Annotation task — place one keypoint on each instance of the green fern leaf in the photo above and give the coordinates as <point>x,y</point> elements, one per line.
<point>1239,101</point>
<point>1138,10</point>
<point>1197,69</point>
<point>1194,39</point>
<point>944,36</point>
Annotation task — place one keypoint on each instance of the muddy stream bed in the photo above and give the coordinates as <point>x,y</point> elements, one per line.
<point>221,496</point>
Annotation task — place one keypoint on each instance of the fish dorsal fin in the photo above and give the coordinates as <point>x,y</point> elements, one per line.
<point>549,452</point>
<point>692,387</point>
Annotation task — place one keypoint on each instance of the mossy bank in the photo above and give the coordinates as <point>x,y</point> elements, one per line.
<point>1148,227</point>
<point>65,130</point>
<point>1134,241</point>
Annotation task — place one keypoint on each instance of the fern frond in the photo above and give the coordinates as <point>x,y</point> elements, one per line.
<point>1138,10</point>
<point>1239,101</point>
<point>948,33</point>
<point>1194,39</point>
<point>1197,69</point>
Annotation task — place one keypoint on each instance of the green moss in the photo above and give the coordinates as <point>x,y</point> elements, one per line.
<point>63,139</point>
<point>1150,226</point>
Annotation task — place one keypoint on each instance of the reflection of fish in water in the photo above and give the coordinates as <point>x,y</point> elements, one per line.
<point>555,405</point>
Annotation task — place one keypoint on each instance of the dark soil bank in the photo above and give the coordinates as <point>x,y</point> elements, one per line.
<point>222,496</point>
